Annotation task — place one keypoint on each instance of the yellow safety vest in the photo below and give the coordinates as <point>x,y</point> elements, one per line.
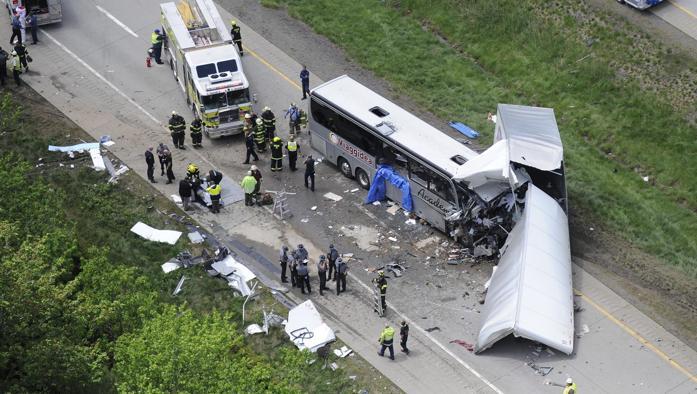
<point>387,335</point>
<point>292,146</point>
<point>214,190</point>
<point>154,38</point>
<point>571,389</point>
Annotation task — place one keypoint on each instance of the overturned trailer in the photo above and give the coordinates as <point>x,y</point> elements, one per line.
<point>519,195</point>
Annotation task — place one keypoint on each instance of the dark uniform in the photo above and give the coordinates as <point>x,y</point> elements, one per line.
<point>156,40</point>
<point>283,260</point>
<point>381,281</point>
<point>304,277</point>
<point>257,175</point>
<point>332,255</point>
<point>310,172</point>
<point>215,177</point>
<point>237,37</point>
<point>292,148</point>
<point>185,193</point>
<point>192,172</point>
<point>293,261</point>
<point>214,191</point>
<point>249,143</point>
<point>341,271</point>
<point>150,161</point>
<point>305,80</point>
<point>260,135</point>
<point>177,127</point>
<point>3,66</point>
<point>322,273</point>
<point>269,120</point>
<point>196,133</point>
<point>160,155</point>
<point>277,154</point>
<point>403,336</point>
<point>168,166</point>
<point>22,53</point>
<point>16,68</point>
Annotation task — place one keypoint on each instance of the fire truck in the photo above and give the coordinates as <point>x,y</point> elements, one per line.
<point>206,65</point>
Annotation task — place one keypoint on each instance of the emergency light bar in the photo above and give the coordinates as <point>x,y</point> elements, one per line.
<point>222,86</point>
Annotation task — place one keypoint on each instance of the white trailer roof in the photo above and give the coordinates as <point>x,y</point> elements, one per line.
<point>532,134</point>
<point>530,294</point>
<point>412,133</point>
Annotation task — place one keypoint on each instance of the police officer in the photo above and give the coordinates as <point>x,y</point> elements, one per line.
<point>156,40</point>
<point>283,260</point>
<point>192,172</point>
<point>196,134</point>
<point>341,271</point>
<point>292,147</point>
<point>3,66</point>
<point>249,143</point>
<point>322,272</point>
<point>236,36</point>
<point>302,252</point>
<point>177,127</point>
<point>381,282</point>
<point>150,161</point>
<point>269,120</point>
<point>403,336</point>
<point>161,148</point>
<point>304,277</point>
<point>168,165</point>
<point>260,135</point>
<point>214,191</point>
<point>305,80</point>
<point>293,262</point>
<point>310,172</point>
<point>332,255</point>
<point>277,154</point>
<point>386,340</point>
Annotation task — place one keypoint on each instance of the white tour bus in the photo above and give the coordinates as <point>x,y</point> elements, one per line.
<point>356,128</point>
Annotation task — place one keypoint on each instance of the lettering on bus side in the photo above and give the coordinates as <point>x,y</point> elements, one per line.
<point>350,149</point>
<point>434,201</point>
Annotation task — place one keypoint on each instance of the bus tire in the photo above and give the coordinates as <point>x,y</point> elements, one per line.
<point>363,179</point>
<point>345,167</point>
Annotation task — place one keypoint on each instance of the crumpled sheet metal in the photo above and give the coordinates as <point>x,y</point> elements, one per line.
<point>74,148</point>
<point>237,275</point>
<point>306,328</point>
<point>530,294</point>
<point>153,234</point>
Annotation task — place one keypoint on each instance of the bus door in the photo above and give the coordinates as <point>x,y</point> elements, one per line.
<point>433,195</point>
<point>399,164</point>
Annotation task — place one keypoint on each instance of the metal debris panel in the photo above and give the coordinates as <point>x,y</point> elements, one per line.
<point>530,294</point>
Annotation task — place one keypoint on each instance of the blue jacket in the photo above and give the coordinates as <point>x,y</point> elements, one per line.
<point>305,76</point>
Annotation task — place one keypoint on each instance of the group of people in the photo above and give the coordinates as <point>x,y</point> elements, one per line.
<point>329,267</point>
<point>19,56</point>
<point>177,129</point>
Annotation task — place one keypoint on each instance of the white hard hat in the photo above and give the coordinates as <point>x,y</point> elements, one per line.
<point>174,112</point>
<point>254,168</point>
<point>14,53</point>
<point>267,109</point>
<point>249,173</point>
<point>247,116</point>
<point>569,381</point>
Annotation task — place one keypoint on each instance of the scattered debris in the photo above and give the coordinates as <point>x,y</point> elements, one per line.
<point>393,239</point>
<point>352,377</point>
<point>177,200</point>
<point>584,330</point>
<point>393,209</point>
<point>343,352</point>
<point>396,269</point>
<point>465,344</point>
<point>195,237</point>
<point>239,277</point>
<point>433,329</point>
<point>178,289</point>
<point>333,366</point>
<point>152,234</point>
<point>272,320</point>
<point>304,220</point>
<point>645,178</point>
<point>97,159</point>
<point>354,190</point>
<point>543,371</point>
<point>314,208</point>
<point>410,222</point>
<point>333,197</point>
<point>169,267</point>
<point>493,271</point>
<point>74,148</point>
<point>306,328</point>
<point>253,329</point>
<point>376,203</point>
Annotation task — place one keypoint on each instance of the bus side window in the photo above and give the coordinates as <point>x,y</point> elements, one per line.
<point>430,180</point>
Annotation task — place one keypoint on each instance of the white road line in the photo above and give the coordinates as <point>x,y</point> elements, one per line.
<point>118,22</point>
<point>154,119</point>
<point>433,339</point>
<point>117,90</point>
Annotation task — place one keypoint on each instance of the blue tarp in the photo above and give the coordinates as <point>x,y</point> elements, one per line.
<point>386,173</point>
<point>464,129</point>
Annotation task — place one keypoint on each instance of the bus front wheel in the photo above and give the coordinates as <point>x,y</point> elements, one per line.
<point>363,179</point>
<point>345,168</point>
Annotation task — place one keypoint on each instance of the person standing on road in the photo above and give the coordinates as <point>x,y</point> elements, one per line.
<point>570,387</point>
<point>34,26</point>
<point>292,147</point>
<point>260,135</point>
<point>381,283</point>
<point>310,172</point>
<point>283,260</point>
<point>23,54</point>
<point>302,253</point>
<point>305,80</point>
<point>249,143</point>
<point>161,148</point>
<point>277,154</point>
<point>16,68</point>
<point>332,255</point>
<point>150,161</point>
<point>215,177</point>
<point>192,172</point>
<point>22,15</point>
<point>269,120</point>
<point>196,134</point>
<point>185,193</point>
<point>168,166</point>
<point>403,336</point>
<point>322,272</point>
<point>4,56</point>
<point>156,39</point>
<point>257,175</point>
<point>293,115</point>
<point>342,271</point>
<point>236,34</point>
<point>386,340</point>
<point>304,276</point>
<point>177,127</point>
<point>248,185</point>
<point>214,191</point>
<point>16,29</point>
<point>293,262</point>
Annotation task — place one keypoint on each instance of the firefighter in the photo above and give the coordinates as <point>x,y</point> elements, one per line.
<point>386,340</point>
<point>214,191</point>
<point>404,336</point>
<point>292,147</point>
<point>269,120</point>
<point>381,283</point>
<point>248,126</point>
<point>196,134</point>
<point>23,54</point>
<point>156,40</point>
<point>192,172</point>
<point>177,127</point>
<point>277,154</point>
<point>260,136</point>
<point>303,119</point>
<point>16,68</point>
<point>237,36</point>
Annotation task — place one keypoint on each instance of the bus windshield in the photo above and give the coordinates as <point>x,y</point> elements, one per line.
<point>214,101</point>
